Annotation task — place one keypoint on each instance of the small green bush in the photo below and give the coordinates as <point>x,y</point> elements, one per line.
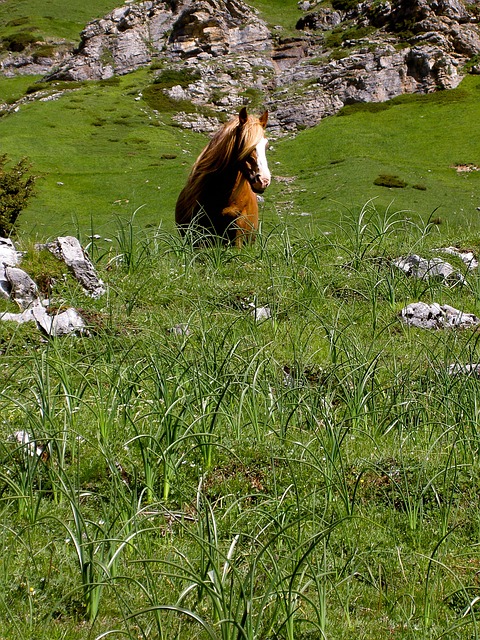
<point>387,180</point>
<point>158,100</point>
<point>16,188</point>
<point>17,42</point>
<point>344,5</point>
<point>173,77</point>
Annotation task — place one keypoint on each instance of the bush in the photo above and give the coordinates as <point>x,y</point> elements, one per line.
<point>16,188</point>
<point>19,41</point>
<point>392,182</point>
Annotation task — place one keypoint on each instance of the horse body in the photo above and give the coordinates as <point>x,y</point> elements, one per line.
<point>220,194</point>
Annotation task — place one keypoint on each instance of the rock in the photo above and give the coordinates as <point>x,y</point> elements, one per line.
<point>23,289</point>
<point>436,316</point>
<point>464,369</point>
<point>61,324</point>
<point>28,443</point>
<point>393,48</point>
<point>181,329</point>
<point>9,257</point>
<point>467,257</point>
<point>128,37</point>
<point>414,265</point>
<point>260,313</point>
<point>324,19</point>
<point>69,250</point>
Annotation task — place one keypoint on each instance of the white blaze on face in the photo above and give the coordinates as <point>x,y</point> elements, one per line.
<point>263,169</point>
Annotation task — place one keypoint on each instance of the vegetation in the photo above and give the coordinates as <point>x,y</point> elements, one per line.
<point>186,470</point>
<point>16,189</point>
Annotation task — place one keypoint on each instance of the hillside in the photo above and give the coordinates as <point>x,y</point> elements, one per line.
<point>113,138</point>
<point>280,442</point>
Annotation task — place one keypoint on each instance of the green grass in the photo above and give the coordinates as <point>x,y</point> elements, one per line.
<point>420,139</point>
<point>52,18</point>
<point>106,149</point>
<point>310,476</point>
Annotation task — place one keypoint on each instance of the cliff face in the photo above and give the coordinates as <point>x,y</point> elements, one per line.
<point>365,52</point>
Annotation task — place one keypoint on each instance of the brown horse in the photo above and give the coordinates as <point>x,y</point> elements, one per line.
<point>220,194</point>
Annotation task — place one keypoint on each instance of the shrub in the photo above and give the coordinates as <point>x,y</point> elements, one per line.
<point>16,188</point>
<point>17,42</point>
<point>387,180</point>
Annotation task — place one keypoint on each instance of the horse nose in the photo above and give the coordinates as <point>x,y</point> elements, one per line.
<point>263,180</point>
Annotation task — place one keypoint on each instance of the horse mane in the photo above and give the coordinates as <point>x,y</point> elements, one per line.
<point>231,143</point>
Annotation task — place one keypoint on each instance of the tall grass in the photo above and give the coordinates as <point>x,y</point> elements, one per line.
<point>313,474</point>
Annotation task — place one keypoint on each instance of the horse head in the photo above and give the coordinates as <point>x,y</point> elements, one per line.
<point>253,163</point>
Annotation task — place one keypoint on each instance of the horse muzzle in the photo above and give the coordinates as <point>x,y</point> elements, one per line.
<point>259,184</point>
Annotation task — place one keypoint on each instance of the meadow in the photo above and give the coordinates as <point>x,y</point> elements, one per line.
<point>194,470</point>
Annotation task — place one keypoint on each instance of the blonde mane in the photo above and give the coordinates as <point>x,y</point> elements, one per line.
<point>217,157</point>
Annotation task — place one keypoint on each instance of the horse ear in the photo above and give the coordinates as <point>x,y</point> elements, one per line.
<point>264,119</point>
<point>243,116</point>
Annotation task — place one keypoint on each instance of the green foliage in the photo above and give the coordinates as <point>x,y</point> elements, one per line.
<point>19,41</point>
<point>344,5</point>
<point>171,77</point>
<point>387,180</point>
<point>16,189</point>
<point>156,98</point>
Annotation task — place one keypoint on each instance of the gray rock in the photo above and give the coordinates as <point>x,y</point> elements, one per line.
<point>464,369</point>
<point>436,316</point>
<point>61,324</point>
<point>23,289</point>
<point>467,257</point>
<point>69,250</point>
<point>414,265</point>
<point>260,313</point>
<point>9,257</point>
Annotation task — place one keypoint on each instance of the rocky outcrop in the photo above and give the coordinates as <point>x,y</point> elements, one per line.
<point>372,52</point>
<point>134,35</point>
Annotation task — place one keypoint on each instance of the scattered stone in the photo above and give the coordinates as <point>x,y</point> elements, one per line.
<point>464,369</point>
<point>260,313</point>
<point>61,324</point>
<point>436,316</point>
<point>24,439</point>
<point>69,250</point>
<point>423,269</point>
<point>23,289</point>
<point>9,257</point>
<point>467,257</point>
<point>181,329</point>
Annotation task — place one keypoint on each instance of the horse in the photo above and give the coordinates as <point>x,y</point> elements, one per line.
<point>219,197</point>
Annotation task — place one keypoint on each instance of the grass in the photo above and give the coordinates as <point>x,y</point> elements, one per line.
<point>312,475</point>
<point>49,18</point>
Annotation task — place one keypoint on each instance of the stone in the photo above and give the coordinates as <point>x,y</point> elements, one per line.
<point>260,313</point>
<point>9,257</point>
<point>467,257</point>
<point>436,316</point>
<point>23,289</point>
<point>69,250</point>
<point>60,324</point>
<point>423,269</point>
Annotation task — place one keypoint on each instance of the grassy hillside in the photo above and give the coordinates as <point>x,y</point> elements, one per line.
<point>186,470</point>
<point>109,151</point>
<point>51,19</point>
